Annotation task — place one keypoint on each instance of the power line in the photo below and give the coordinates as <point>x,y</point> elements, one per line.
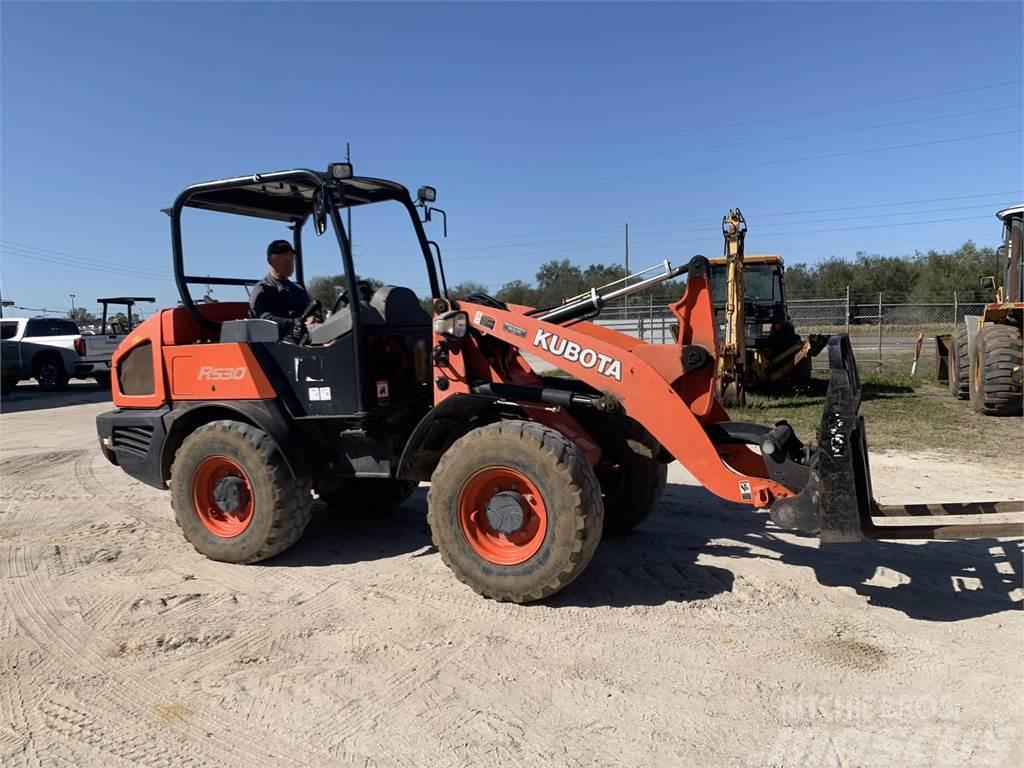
<point>710,239</point>
<point>930,211</point>
<point>783,161</point>
<point>840,110</point>
<point>823,133</point>
<point>709,222</point>
<point>83,267</point>
<point>708,219</point>
<point>80,264</point>
<point>75,258</point>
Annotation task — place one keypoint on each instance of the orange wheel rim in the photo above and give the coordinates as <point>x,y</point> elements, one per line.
<point>502,515</point>
<point>222,496</point>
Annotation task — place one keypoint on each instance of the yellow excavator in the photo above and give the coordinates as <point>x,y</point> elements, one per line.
<point>759,348</point>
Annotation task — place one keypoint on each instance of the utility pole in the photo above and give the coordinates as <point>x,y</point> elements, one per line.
<point>72,304</point>
<point>348,159</point>
<point>627,251</point>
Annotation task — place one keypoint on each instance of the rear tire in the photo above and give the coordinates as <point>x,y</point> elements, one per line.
<point>959,365</point>
<point>50,374</point>
<point>631,476</point>
<point>273,505</point>
<point>996,355</point>
<point>556,511</point>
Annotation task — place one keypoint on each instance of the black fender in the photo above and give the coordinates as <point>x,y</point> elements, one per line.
<point>268,415</point>
<point>440,427</point>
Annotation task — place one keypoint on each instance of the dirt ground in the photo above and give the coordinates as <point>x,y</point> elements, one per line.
<point>708,637</point>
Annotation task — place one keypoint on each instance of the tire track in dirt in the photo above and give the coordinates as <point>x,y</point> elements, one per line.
<point>136,699</point>
<point>106,737</point>
<point>401,683</point>
<point>85,474</point>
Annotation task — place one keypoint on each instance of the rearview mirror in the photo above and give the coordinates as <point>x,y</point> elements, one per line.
<point>426,194</point>
<point>989,283</point>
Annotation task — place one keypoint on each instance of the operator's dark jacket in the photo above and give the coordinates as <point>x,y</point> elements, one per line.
<point>279,300</point>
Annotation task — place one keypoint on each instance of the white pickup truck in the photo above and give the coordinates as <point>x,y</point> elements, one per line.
<point>100,347</point>
<point>48,349</point>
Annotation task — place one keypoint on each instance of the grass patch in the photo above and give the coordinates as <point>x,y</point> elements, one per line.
<point>900,413</point>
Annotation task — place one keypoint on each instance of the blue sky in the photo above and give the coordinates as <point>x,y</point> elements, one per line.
<point>544,127</point>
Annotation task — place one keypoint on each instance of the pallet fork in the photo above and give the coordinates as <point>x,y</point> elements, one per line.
<point>837,502</point>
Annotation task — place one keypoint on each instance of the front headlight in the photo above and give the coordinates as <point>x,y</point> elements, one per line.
<point>452,324</point>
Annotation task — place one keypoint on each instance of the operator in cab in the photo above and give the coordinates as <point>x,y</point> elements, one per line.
<point>277,298</point>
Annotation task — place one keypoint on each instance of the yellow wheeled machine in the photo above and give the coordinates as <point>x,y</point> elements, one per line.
<point>982,359</point>
<point>760,349</point>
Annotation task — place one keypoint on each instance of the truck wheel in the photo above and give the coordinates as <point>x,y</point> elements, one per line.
<point>50,374</point>
<point>632,478</point>
<point>996,356</point>
<point>959,365</point>
<point>515,511</point>
<point>233,495</point>
<point>102,380</point>
<point>368,496</point>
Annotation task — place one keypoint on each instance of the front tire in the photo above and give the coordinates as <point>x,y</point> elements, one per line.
<point>997,354</point>
<point>515,511</point>
<point>233,495</point>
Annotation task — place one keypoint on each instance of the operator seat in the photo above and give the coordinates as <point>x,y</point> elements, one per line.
<point>389,305</point>
<point>399,306</point>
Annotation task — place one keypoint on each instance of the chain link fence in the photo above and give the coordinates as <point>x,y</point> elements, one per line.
<point>884,334</point>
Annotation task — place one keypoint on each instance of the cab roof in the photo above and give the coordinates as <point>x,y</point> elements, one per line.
<point>764,258</point>
<point>285,195</point>
<point>1012,210</point>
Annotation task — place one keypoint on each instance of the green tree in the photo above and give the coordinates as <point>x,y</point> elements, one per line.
<point>82,317</point>
<point>517,292</point>
<point>960,271</point>
<point>801,282</point>
<point>466,288</point>
<point>326,288</point>
<point>558,280</point>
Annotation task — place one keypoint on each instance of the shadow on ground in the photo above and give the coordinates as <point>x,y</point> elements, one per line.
<point>29,397</point>
<point>334,538</point>
<point>657,563</point>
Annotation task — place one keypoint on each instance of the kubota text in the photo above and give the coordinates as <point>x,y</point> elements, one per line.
<point>574,353</point>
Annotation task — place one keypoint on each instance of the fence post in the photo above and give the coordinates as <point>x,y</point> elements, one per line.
<point>879,363</point>
<point>956,313</point>
<point>847,310</point>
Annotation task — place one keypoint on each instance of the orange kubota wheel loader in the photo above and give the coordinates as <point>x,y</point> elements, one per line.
<point>526,473</point>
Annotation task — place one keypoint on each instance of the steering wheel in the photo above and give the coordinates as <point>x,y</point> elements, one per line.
<point>341,301</point>
<point>314,309</point>
<point>365,292</point>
